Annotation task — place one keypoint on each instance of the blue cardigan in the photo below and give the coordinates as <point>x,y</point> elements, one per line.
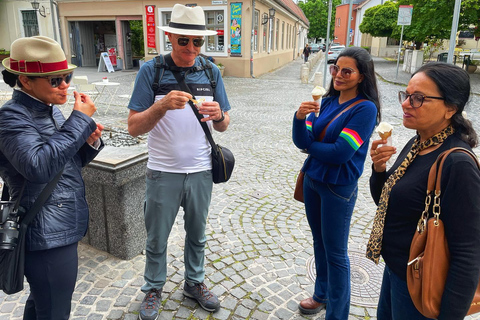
<point>339,158</point>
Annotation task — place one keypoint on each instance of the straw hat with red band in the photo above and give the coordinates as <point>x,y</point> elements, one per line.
<point>37,56</point>
<point>188,21</point>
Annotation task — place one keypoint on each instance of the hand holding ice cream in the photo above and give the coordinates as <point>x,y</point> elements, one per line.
<point>317,94</point>
<point>384,130</point>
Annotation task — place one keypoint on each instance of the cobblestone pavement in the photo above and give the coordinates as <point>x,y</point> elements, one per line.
<point>259,248</point>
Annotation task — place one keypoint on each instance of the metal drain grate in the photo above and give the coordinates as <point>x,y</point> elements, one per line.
<point>365,278</point>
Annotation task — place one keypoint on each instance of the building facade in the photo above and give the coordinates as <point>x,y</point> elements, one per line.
<point>252,37</point>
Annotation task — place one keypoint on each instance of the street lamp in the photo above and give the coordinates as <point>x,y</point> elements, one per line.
<point>36,7</point>
<point>270,15</point>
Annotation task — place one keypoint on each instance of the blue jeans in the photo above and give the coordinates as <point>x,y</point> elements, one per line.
<point>165,193</point>
<point>395,302</point>
<point>329,211</point>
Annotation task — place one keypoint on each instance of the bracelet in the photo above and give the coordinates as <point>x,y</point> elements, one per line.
<point>221,119</point>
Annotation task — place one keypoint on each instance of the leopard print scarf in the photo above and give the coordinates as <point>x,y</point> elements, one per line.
<point>374,245</point>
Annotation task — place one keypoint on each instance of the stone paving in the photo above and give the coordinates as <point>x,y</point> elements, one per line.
<point>259,248</point>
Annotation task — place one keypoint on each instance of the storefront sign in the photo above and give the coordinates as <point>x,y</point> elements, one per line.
<point>151,28</point>
<point>235,29</point>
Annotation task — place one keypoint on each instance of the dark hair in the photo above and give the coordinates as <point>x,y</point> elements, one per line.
<point>368,87</point>
<point>11,79</point>
<point>454,85</point>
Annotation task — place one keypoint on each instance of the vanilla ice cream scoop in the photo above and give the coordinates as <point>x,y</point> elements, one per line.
<point>384,130</point>
<point>318,92</point>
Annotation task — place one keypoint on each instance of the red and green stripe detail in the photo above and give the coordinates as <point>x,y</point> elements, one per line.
<point>352,137</point>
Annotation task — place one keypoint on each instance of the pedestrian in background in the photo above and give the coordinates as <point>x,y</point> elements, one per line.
<point>306,53</point>
<point>332,169</point>
<point>432,105</point>
<point>36,143</point>
<point>179,164</point>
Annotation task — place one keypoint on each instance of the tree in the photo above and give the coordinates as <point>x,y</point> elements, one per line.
<point>381,20</point>
<point>316,12</point>
<point>136,27</point>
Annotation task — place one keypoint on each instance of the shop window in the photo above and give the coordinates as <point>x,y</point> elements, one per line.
<point>265,30</point>
<point>30,23</point>
<point>255,29</point>
<point>277,34</point>
<point>215,20</point>
<point>271,35</point>
<point>166,16</point>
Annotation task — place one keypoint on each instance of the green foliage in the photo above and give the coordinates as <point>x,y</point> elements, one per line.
<point>136,27</point>
<point>381,20</point>
<point>316,12</point>
<point>3,51</point>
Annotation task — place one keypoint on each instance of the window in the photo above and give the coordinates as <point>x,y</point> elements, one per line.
<point>265,30</point>
<point>276,34</point>
<point>283,34</point>
<point>30,23</point>
<point>166,16</point>
<point>255,31</point>
<point>271,34</point>
<point>338,22</point>
<point>215,21</point>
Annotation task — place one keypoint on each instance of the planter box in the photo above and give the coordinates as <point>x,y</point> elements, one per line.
<point>3,56</point>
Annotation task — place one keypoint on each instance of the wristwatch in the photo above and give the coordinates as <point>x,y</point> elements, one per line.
<point>222,118</point>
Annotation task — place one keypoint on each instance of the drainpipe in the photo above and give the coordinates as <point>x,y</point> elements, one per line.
<point>295,39</point>
<point>252,39</point>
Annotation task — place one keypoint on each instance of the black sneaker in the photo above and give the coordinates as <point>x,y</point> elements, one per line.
<point>207,299</point>
<point>150,305</point>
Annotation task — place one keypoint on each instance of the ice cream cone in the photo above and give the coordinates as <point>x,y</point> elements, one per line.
<point>316,98</point>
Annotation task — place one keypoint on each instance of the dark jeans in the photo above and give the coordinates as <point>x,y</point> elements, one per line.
<point>329,211</point>
<point>52,275</point>
<point>395,302</point>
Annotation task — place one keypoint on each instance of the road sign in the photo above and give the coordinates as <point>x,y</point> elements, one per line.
<point>404,15</point>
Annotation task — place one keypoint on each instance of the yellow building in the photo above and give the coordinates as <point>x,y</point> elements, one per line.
<point>253,37</point>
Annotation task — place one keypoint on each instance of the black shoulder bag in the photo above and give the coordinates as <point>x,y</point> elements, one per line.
<point>13,228</point>
<point>223,160</point>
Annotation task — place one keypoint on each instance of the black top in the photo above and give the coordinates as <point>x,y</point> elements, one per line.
<point>460,212</point>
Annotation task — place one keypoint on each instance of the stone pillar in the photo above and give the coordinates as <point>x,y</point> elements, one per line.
<point>115,190</point>
<point>417,60</point>
<point>407,60</point>
<point>304,73</point>
<point>318,79</point>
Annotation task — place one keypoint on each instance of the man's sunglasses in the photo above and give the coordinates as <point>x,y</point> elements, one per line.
<point>197,42</point>
<point>345,72</point>
<point>415,99</point>
<point>57,80</point>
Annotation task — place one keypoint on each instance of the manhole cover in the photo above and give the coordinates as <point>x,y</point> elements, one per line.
<point>365,276</point>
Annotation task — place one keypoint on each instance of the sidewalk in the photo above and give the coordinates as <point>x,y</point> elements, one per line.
<point>259,255</point>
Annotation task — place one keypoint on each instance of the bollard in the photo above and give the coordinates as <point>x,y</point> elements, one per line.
<point>301,68</point>
<point>304,74</point>
<point>318,79</point>
<point>309,65</point>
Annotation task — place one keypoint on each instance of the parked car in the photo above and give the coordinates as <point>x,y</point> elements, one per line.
<point>314,47</point>
<point>333,53</point>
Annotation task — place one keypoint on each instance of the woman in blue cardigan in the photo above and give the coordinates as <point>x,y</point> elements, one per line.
<point>332,170</point>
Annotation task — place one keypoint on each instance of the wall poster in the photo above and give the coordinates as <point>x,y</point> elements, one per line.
<point>235,29</point>
<point>151,29</point>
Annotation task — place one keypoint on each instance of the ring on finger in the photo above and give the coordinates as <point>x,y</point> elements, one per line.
<point>376,152</point>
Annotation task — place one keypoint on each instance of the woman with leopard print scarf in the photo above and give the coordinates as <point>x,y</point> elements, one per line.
<point>432,105</point>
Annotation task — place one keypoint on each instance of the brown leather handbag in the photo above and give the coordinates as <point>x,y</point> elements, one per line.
<point>429,258</point>
<point>298,192</point>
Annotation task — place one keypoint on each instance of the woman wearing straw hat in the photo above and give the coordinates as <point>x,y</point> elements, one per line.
<point>36,143</point>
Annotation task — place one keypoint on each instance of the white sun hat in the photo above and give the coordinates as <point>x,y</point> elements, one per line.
<point>37,56</point>
<point>189,21</point>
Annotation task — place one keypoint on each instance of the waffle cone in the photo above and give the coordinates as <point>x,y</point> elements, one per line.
<point>315,98</point>
<point>385,135</point>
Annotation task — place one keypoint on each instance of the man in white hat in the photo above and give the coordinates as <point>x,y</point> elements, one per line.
<point>179,164</point>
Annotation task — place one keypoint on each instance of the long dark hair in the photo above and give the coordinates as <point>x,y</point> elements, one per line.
<point>368,87</point>
<point>454,85</point>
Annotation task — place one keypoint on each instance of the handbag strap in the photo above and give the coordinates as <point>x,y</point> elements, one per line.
<point>41,199</point>
<point>324,131</point>
<point>434,185</point>
<point>184,87</point>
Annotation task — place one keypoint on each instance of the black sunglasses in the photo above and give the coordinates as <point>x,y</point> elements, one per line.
<point>57,80</point>
<point>415,99</point>
<point>345,72</point>
<point>197,42</point>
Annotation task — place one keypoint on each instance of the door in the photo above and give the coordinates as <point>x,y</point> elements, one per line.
<point>75,44</point>
<point>127,44</point>
<point>87,44</point>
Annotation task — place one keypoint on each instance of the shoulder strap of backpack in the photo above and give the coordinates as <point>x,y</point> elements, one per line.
<point>207,66</point>
<point>158,66</point>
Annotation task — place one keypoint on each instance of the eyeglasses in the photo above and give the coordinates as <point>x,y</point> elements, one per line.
<point>197,42</point>
<point>346,73</point>
<point>416,99</point>
<point>57,80</point>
